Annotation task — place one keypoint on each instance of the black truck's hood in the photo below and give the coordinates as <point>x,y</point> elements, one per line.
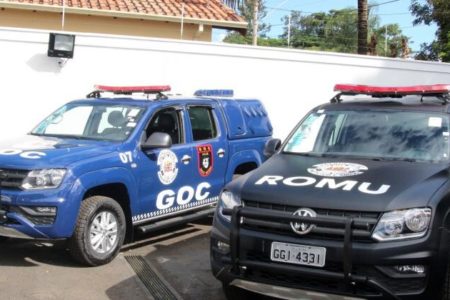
<point>348,184</point>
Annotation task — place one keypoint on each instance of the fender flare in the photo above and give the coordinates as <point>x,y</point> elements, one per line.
<point>100,177</point>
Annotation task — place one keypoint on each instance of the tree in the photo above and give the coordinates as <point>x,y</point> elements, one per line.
<point>337,31</point>
<point>256,9</point>
<point>437,11</point>
<point>307,32</point>
<point>332,31</point>
<point>341,31</point>
<point>246,11</point>
<point>391,41</point>
<point>234,4</point>
<point>363,16</point>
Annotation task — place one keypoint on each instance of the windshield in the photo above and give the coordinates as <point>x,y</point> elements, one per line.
<point>89,121</point>
<point>395,135</point>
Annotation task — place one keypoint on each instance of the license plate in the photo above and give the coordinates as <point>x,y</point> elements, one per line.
<point>298,254</point>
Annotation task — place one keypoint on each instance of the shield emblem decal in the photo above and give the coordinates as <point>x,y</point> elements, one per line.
<point>205,160</point>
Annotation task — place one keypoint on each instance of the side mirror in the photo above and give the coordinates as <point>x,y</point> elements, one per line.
<point>157,140</point>
<point>272,147</point>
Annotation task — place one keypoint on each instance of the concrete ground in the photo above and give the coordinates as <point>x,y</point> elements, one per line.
<point>38,270</point>
<point>179,257</point>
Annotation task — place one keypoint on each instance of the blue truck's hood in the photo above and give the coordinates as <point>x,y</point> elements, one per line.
<point>34,152</point>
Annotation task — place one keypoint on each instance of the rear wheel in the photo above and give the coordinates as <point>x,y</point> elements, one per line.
<point>100,231</point>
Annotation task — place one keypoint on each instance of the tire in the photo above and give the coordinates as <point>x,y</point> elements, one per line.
<point>445,292</point>
<point>235,293</point>
<point>99,233</point>
<point>3,239</point>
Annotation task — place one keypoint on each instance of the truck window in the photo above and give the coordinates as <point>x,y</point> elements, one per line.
<point>87,121</point>
<point>73,122</point>
<point>167,121</point>
<point>418,136</point>
<point>202,123</point>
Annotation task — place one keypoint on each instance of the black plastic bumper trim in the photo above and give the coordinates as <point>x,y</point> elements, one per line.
<point>346,222</point>
<point>3,217</point>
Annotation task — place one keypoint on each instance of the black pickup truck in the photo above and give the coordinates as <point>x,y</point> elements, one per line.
<point>355,203</point>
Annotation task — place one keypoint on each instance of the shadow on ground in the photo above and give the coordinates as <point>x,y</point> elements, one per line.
<point>25,253</point>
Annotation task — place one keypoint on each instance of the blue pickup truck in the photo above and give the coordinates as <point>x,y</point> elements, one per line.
<point>99,169</point>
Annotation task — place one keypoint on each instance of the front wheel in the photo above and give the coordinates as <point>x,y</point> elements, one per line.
<point>100,231</point>
<point>445,290</point>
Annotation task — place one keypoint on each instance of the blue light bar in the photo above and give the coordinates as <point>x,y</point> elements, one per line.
<point>214,93</point>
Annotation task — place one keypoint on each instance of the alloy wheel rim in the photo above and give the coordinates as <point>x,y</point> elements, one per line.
<point>103,232</point>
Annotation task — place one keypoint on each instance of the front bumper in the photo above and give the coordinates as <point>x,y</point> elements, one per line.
<point>17,219</point>
<point>9,231</point>
<point>352,269</point>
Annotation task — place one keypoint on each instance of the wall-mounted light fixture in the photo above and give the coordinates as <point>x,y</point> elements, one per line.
<point>61,45</point>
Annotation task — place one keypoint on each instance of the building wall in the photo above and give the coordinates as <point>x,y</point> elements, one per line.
<point>98,24</point>
<point>289,82</point>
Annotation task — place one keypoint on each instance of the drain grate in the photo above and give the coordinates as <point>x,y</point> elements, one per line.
<point>150,279</point>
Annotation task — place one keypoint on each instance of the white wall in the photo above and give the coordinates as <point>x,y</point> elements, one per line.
<point>289,82</point>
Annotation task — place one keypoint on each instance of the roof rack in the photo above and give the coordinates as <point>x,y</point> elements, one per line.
<point>441,91</point>
<point>128,90</point>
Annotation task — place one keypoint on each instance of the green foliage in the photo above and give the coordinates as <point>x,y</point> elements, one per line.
<point>394,36</point>
<point>236,38</point>
<point>245,9</point>
<point>437,11</point>
<point>332,31</point>
<point>337,31</point>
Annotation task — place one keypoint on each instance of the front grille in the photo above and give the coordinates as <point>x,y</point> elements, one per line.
<point>368,221</point>
<point>12,178</point>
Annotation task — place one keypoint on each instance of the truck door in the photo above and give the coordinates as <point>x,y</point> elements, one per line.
<point>209,139</point>
<point>164,176</point>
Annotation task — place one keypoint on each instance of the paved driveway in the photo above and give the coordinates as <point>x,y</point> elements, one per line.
<point>41,270</point>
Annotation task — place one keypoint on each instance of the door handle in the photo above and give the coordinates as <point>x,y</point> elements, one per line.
<point>186,159</point>
<point>221,152</point>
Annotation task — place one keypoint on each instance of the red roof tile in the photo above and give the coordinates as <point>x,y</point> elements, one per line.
<point>196,9</point>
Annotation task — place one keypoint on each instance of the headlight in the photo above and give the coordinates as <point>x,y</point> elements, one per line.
<point>228,200</point>
<point>43,179</point>
<point>402,224</point>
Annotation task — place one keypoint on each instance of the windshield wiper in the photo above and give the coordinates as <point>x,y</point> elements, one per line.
<point>394,159</point>
<point>63,136</point>
<point>313,154</point>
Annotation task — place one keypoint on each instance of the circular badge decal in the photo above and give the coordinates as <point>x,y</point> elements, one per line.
<point>167,162</point>
<point>338,169</point>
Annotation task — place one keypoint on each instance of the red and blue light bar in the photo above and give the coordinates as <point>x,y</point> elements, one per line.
<point>147,89</point>
<point>391,90</point>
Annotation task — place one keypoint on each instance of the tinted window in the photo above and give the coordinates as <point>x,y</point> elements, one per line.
<point>167,121</point>
<point>381,134</point>
<point>202,122</point>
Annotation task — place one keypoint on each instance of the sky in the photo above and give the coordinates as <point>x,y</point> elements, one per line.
<point>396,11</point>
